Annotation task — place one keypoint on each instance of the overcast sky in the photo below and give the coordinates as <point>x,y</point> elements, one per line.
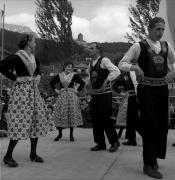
<point>97,20</point>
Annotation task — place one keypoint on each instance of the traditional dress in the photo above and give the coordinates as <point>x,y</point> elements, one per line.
<point>101,102</point>
<point>67,110</point>
<point>155,59</point>
<point>26,114</point>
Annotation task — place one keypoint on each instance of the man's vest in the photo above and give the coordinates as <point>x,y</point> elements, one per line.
<point>98,76</point>
<point>153,65</point>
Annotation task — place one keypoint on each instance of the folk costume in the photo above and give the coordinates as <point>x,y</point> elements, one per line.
<point>156,59</point>
<point>26,114</point>
<point>102,69</point>
<point>67,111</point>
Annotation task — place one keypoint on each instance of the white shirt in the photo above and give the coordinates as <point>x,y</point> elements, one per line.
<point>134,81</point>
<point>134,53</point>
<point>114,71</point>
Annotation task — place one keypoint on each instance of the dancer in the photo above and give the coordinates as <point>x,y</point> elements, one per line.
<point>26,114</point>
<point>154,65</point>
<point>102,72</point>
<point>67,111</point>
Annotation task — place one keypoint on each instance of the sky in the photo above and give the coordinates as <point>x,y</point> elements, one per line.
<point>97,20</point>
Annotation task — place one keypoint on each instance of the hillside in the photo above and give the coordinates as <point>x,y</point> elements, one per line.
<point>48,52</point>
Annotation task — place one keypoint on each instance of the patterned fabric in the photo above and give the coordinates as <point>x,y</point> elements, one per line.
<point>26,115</point>
<point>122,113</point>
<point>67,111</point>
<point>29,61</point>
<point>66,79</point>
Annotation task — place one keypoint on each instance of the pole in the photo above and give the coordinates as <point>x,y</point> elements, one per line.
<point>2,41</point>
<point>2,45</point>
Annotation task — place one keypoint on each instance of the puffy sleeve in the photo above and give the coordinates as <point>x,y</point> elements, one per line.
<point>132,54</point>
<point>171,57</point>
<point>79,80</point>
<point>7,67</point>
<point>114,72</point>
<point>54,81</point>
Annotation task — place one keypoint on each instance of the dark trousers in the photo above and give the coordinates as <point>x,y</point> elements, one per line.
<point>133,122</point>
<point>101,110</point>
<point>153,102</point>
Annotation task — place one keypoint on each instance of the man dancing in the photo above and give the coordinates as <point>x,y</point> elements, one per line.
<point>154,68</point>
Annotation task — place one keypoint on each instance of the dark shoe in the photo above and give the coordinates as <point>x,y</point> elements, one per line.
<point>36,158</point>
<point>98,148</point>
<point>114,147</point>
<point>148,170</point>
<point>130,143</point>
<point>10,162</point>
<point>72,138</point>
<point>173,144</point>
<point>58,137</point>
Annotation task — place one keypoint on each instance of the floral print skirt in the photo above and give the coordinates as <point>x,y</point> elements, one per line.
<point>27,114</point>
<point>67,111</point>
<point>122,112</point>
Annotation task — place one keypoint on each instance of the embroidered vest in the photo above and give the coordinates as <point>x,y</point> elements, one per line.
<point>98,75</point>
<point>153,65</point>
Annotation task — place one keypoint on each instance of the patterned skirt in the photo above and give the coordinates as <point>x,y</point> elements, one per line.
<point>67,111</point>
<point>27,114</point>
<point>122,112</point>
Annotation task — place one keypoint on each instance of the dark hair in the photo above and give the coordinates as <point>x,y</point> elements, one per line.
<point>67,63</point>
<point>98,46</point>
<point>24,39</point>
<point>155,20</point>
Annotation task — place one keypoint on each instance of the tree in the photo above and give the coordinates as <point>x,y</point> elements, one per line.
<point>54,19</point>
<point>141,15</point>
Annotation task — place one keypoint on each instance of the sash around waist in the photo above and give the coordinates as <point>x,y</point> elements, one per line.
<point>101,91</point>
<point>153,81</point>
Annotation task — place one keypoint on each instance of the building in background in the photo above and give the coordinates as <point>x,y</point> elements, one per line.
<point>80,40</point>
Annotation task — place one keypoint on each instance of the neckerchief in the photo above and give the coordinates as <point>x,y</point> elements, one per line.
<point>29,61</point>
<point>66,81</point>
